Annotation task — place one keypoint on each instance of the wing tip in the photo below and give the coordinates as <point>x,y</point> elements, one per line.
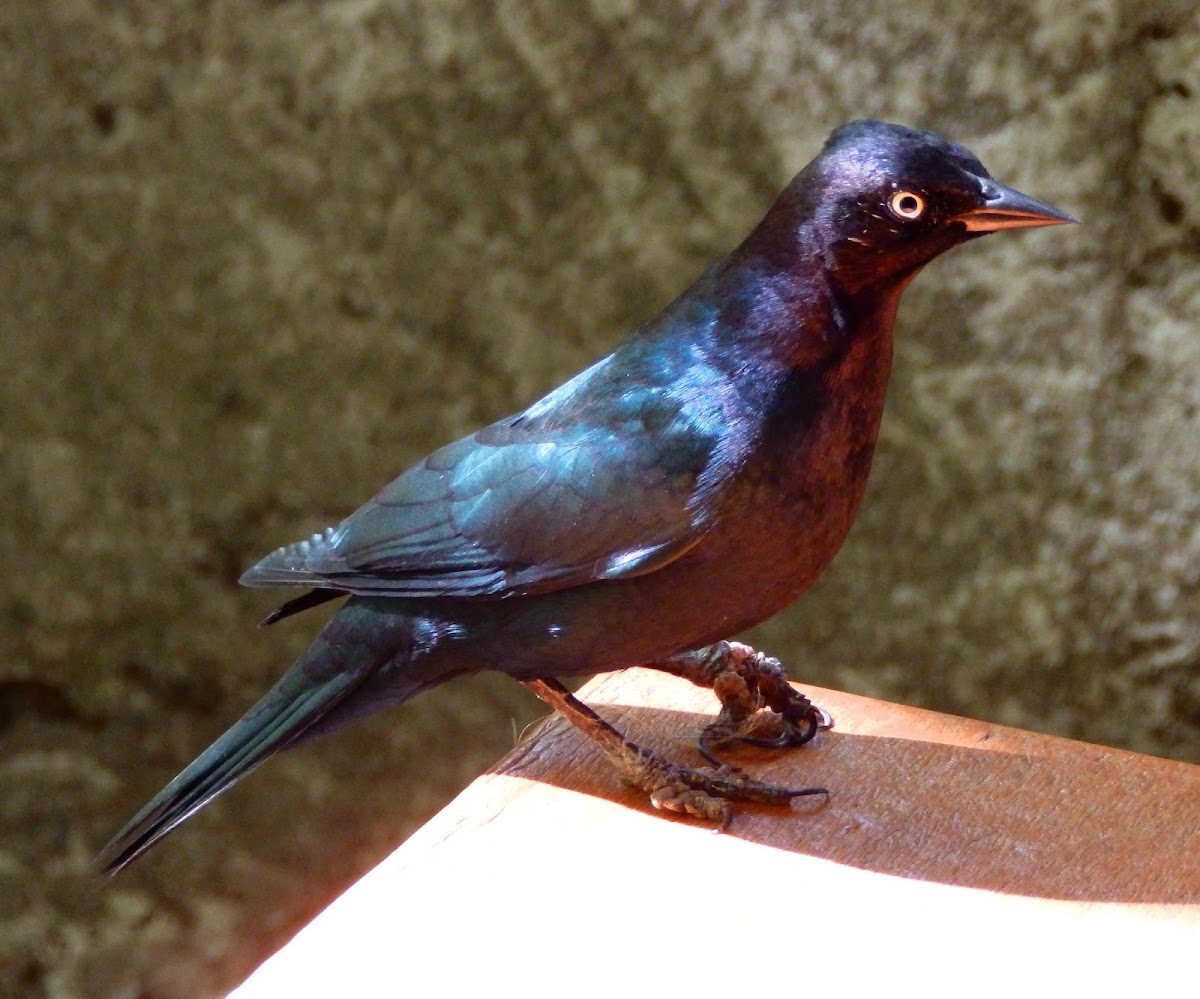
<point>292,564</point>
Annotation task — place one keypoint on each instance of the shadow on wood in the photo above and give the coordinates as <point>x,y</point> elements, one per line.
<point>923,795</point>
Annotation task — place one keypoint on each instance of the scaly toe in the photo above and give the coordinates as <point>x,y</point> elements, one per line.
<point>690,801</point>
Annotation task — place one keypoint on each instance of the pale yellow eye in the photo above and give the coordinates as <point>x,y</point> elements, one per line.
<point>907,205</point>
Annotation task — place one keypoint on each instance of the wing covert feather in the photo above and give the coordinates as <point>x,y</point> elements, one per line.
<point>600,479</point>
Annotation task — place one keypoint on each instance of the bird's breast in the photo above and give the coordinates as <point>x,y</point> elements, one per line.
<point>790,508</point>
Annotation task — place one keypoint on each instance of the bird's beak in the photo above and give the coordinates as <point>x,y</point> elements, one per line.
<point>1004,208</point>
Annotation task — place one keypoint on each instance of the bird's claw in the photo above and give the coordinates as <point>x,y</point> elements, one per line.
<point>689,801</point>
<point>701,793</point>
<point>796,724</point>
<point>786,732</point>
<point>759,707</point>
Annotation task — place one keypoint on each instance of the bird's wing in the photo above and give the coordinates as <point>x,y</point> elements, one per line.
<point>606,477</point>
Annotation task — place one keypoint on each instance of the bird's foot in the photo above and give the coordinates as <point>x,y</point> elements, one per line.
<point>703,794</point>
<point>758,705</point>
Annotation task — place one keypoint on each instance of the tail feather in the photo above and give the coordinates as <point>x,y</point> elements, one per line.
<point>365,659</point>
<point>272,724</point>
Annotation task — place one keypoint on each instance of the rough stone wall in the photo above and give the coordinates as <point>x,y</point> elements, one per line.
<point>257,257</point>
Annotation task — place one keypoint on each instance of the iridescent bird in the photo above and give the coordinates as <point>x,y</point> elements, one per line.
<point>687,486</point>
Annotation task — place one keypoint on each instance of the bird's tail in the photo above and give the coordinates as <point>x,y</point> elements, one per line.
<point>266,728</point>
<point>351,656</point>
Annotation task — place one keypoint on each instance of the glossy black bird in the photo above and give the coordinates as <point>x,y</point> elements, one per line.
<point>684,488</point>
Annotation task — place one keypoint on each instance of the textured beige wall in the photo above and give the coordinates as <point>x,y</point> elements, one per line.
<point>256,257</point>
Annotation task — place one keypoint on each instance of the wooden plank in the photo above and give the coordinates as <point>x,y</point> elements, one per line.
<point>953,856</point>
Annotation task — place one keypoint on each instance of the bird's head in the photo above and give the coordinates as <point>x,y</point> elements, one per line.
<point>885,200</point>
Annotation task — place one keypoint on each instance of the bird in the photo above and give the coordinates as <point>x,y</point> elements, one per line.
<point>687,486</point>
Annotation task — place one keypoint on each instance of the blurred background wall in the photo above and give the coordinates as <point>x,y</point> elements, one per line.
<point>259,256</point>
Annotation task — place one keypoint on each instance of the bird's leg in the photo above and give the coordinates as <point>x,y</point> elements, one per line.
<point>704,794</point>
<point>745,682</point>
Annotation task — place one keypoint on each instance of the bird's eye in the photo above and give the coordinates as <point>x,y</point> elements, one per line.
<point>906,205</point>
